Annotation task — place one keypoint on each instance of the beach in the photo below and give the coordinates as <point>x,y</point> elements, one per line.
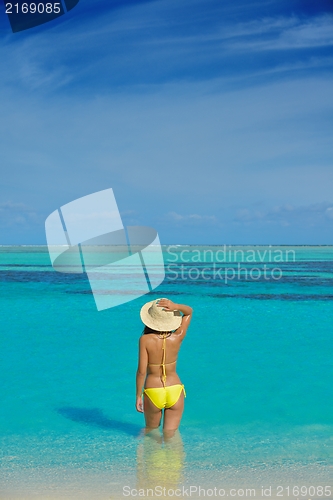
<point>256,365</point>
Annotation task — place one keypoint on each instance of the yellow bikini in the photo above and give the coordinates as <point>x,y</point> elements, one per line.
<point>164,397</point>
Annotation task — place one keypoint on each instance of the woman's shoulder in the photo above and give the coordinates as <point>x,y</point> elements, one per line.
<point>146,339</point>
<point>142,340</point>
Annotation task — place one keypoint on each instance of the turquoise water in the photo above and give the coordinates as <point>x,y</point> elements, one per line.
<point>256,364</point>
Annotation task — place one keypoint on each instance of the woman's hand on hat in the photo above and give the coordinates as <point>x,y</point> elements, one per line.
<point>167,305</point>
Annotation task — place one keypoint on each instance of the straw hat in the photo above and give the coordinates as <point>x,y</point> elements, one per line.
<point>157,319</point>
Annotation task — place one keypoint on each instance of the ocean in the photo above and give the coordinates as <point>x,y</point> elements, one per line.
<point>256,364</point>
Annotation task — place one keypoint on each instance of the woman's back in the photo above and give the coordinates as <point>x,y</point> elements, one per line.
<point>160,362</point>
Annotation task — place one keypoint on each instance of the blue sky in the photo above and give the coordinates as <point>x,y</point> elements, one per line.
<point>212,121</point>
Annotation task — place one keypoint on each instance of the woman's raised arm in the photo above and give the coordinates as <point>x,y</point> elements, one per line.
<point>187,311</point>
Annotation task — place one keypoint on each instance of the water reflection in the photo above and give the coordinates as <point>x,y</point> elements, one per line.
<point>160,460</point>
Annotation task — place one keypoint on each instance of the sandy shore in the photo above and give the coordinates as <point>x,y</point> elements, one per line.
<point>263,481</point>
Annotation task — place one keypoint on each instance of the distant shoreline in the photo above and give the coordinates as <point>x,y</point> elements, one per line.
<point>195,245</point>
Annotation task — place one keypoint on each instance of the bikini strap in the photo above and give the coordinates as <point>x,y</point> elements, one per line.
<point>164,336</point>
<point>163,360</point>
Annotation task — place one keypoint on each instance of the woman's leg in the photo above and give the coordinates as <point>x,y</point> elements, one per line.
<point>153,414</point>
<point>173,415</point>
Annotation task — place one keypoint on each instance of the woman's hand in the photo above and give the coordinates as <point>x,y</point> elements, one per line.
<point>167,305</point>
<point>139,404</point>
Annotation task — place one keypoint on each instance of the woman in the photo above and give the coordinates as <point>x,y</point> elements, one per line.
<point>166,324</point>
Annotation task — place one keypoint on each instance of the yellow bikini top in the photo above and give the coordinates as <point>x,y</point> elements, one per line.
<point>163,364</point>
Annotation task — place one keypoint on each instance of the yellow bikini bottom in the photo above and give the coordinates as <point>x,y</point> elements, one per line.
<point>164,397</point>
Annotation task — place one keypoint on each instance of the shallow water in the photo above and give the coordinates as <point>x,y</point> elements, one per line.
<point>256,364</point>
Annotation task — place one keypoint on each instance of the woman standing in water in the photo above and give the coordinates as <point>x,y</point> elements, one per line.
<point>166,324</point>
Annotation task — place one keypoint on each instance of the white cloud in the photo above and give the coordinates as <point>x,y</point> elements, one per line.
<point>138,37</point>
<point>329,212</point>
<point>191,219</point>
<point>286,215</point>
<point>16,214</point>
<point>291,34</point>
